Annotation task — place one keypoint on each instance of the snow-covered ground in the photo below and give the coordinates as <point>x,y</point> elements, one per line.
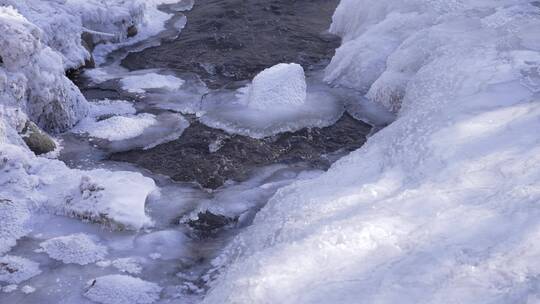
<point>439,207</point>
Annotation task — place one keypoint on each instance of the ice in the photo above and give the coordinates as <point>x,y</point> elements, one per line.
<point>129,265</point>
<point>13,217</point>
<point>441,206</point>
<point>281,86</point>
<point>122,289</point>
<point>14,269</point>
<point>278,100</point>
<point>32,78</point>
<point>76,248</point>
<point>117,127</point>
<point>115,199</point>
<point>27,289</point>
<point>142,83</point>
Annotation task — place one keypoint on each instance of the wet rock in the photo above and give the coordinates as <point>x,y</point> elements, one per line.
<point>37,140</point>
<point>240,38</point>
<point>132,31</point>
<point>210,157</point>
<point>208,223</point>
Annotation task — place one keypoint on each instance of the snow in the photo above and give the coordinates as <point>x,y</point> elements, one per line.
<point>129,265</point>
<point>14,269</point>
<point>27,289</point>
<point>13,217</point>
<point>277,100</point>
<point>122,289</point>
<point>439,207</point>
<point>76,248</point>
<point>142,83</point>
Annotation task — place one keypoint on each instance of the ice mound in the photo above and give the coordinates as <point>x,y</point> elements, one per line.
<point>278,100</point>
<point>151,81</point>
<point>283,85</point>
<point>76,248</point>
<point>14,269</point>
<point>13,217</point>
<point>114,199</point>
<point>122,289</point>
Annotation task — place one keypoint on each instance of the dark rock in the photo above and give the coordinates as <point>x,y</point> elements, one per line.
<point>132,31</point>
<point>211,157</point>
<point>208,223</point>
<point>242,37</point>
<point>37,140</point>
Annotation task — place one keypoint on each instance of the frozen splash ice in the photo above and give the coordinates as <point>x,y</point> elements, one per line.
<point>277,100</point>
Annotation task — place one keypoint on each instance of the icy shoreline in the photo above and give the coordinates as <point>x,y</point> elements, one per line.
<point>439,207</point>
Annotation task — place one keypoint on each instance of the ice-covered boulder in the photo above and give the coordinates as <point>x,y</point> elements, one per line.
<point>32,76</point>
<point>283,85</point>
<point>76,248</point>
<point>122,289</point>
<point>277,100</point>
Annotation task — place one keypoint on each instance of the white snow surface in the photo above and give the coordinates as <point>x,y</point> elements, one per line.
<point>122,289</point>
<point>117,127</point>
<point>76,248</point>
<point>439,207</point>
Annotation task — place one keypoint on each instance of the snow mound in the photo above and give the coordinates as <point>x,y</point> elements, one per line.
<point>283,85</point>
<point>14,270</point>
<point>278,100</point>
<point>143,83</point>
<point>122,289</point>
<point>13,217</point>
<point>439,207</point>
<point>76,248</point>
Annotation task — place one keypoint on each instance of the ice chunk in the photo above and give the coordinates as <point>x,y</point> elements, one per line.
<point>76,248</point>
<point>14,269</point>
<point>278,100</point>
<point>282,86</point>
<point>117,127</point>
<point>145,82</point>
<point>129,265</point>
<point>122,289</point>
<point>27,289</point>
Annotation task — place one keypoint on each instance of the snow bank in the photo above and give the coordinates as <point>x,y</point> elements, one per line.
<point>439,207</point>
<point>122,289</point>
<point>76,248</point>
<point>278,100</point>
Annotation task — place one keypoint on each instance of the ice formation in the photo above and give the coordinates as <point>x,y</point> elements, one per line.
<point>278,100</point>
<point>76,248</point>
<point>142,83</point>
<point>118,127</point>
<point>14,269</point>
<point>439,207</point>
<point>122,289</point>
<point>282,86</point>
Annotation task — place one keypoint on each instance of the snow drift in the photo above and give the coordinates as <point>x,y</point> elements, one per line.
<point>439,207</point>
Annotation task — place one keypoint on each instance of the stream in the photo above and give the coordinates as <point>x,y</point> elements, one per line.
<point>212,182</point>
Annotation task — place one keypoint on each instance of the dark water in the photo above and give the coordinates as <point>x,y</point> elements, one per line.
<point>231,40</point>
